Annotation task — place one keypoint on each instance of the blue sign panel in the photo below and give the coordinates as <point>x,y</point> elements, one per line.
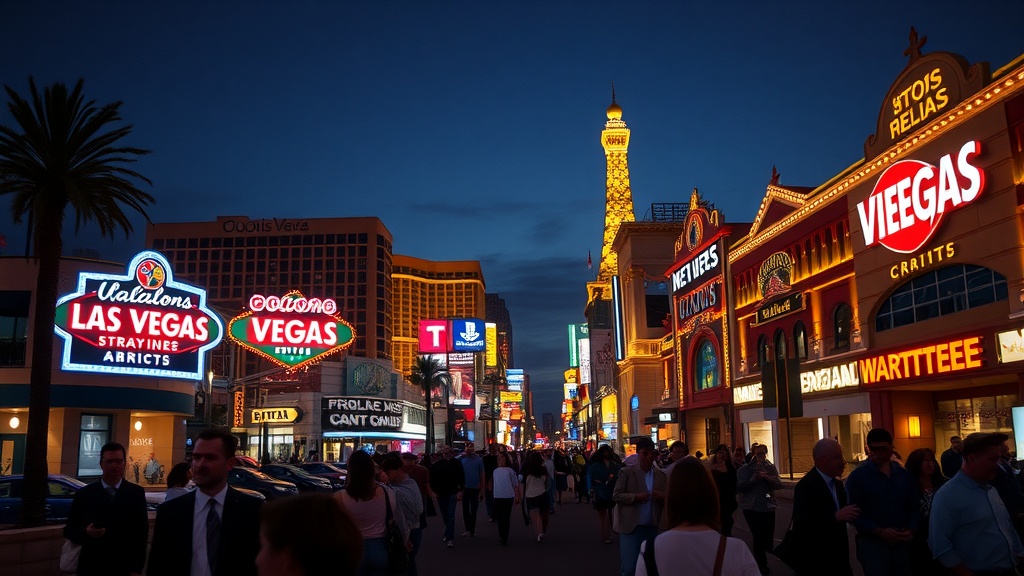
<point>468,335</point>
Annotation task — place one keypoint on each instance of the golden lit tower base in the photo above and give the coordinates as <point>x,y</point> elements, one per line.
<point>618,196</point>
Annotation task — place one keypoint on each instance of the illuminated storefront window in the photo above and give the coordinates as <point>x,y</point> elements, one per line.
<point>706,375</point>
<point>964,416</point>
<point>94,433</point>
<point>841,321</point>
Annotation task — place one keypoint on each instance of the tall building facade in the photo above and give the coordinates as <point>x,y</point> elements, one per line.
<point>497,313</point>
<point>425,290</point>
<point>347,259</point>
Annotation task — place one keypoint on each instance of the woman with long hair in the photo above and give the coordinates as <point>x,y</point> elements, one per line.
<point>506,495</point>
<point>603,471</point>
<point>692,516</point>
<point>928,478</point>
<point>366,501</point>
<point>535,484</point>
<point>324,541</point>
<point>177,480</point>
<point>724,474</point>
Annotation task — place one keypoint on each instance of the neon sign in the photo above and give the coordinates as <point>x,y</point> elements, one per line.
<point>143,324</point>
<point>291,330</point>
<point>910,198</point>
<point>942,358</point>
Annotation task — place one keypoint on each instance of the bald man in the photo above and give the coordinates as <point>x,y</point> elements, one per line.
<point>820,514</point>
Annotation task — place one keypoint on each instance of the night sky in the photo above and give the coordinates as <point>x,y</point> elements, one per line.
<point>472,129</point>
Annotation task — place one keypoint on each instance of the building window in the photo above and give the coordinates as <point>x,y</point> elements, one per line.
<point>706,363</point>
<point>842,320</point>
<point>762,350</point>
<point>940,293</point>
<point>14,306</point>
<point>780,346</point>
<point>94,432</point>
<point>800,340</point>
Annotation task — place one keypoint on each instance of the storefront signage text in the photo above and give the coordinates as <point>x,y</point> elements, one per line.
<point>922,99</point>
<point>747,394</point>
<point>942,358</point>
<point>143,323</point>
<point>910,198</point>
<point>1011,346</point>
<point>779,308</point>
<point>358,413</point>
<point>276,415</point>
<point>701,299</point>
<point>825,379</point>
<point>238,410</point>
<point>922,260</point>
<point>291,330</point>
<point>691,271</point>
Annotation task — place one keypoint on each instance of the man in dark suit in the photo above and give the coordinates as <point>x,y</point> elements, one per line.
<point>215,529</point>
<point>820,514</point>
<point>108,519</point>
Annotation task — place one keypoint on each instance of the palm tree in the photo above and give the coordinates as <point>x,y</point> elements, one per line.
<point>428,372</point>
<point>63,153</point>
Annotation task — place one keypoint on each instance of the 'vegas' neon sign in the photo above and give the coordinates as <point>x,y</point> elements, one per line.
<point>291,330</point>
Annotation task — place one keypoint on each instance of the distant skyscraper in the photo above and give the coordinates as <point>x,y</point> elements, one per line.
<point>548,425</point>
<point>426,290</point>
<point>497,313</point>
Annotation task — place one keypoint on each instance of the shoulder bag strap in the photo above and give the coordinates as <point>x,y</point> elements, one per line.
<point>649,561</point>
<point>387,503</point>
<point>720,557</point>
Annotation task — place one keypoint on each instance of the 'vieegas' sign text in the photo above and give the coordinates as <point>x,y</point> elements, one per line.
<point>910,198</point>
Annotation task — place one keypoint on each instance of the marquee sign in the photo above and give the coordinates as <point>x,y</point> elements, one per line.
<point>364,414</point>
<point>778,308</point>
<point>948,357</point>
<point>282,415</point>
<point>291,330</point>
<point>143,323</point>
<point>910,199</point>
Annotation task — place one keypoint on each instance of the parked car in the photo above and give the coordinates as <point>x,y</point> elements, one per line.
<point>336,476</point>
<point>247,461</point>
<point>271,488</point>
<point>303,480</point>
<point>58,502</point>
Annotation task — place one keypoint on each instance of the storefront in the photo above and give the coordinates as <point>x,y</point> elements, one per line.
<point>701,328</point>
<point>937,236</point>
<point>372,424</point>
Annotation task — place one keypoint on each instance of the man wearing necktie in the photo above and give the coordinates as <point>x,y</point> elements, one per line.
<point>1009,488</point>
<point>820,514</point>
<point>970,530</point>
<point>108,519</point>
<point>214,530</point>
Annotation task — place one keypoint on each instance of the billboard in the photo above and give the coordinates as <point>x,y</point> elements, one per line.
<point>491,330</point>
<point>514,377</point>
<point>433,336</point>
<point>468,335</point>
<point>461,370</point>
<point>143,323</point>
<point>291,330</point>
<point>577,332</point>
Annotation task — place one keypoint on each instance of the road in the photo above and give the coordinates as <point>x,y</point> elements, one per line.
<point>572,544</point>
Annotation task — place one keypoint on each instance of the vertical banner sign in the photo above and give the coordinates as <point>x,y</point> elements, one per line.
<point>461,368</point>
<point>433,336</point>
<point>143,323</point>
<point>491,329</point>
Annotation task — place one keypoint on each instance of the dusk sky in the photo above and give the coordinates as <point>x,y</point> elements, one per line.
<point>472,129</point>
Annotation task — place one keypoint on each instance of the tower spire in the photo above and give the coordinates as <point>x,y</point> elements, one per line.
<point>618,207</point>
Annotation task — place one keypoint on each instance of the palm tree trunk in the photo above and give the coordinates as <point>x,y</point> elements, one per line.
<point>49,245</point>
<point>428,448</point>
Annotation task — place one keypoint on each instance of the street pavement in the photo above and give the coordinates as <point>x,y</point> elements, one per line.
<point>572,543</point>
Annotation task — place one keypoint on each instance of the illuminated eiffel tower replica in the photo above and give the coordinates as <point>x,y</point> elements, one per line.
<point>618,209</point>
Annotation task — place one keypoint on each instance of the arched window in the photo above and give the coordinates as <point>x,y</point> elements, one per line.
<point>800,340</point>
<point>762,350</point>
<point>780,346</point>
<point>842,319</point>
<point>939,293</point>
<point>706,366</point>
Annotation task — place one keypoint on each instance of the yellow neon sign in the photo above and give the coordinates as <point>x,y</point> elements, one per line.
<point>936,359</point>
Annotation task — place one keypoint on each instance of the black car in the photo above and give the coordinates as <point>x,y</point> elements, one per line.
<point>271,488</point>
<point>336,476</point>
<point>60,492</point>
<point>303,480</point>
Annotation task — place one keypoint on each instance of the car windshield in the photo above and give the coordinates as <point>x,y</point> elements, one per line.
<point>254,473</point>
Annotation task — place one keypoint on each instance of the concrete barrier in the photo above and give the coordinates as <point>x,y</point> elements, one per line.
<point>36,551</point>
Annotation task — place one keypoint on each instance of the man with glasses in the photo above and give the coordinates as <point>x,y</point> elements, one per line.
<point>108,519</point>
<point>676,452</point>
<point>889,513</point>
<point>639,496</point>
<point>952,459</point>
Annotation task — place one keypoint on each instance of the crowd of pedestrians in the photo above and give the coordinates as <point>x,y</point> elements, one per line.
<point>960,514</point>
